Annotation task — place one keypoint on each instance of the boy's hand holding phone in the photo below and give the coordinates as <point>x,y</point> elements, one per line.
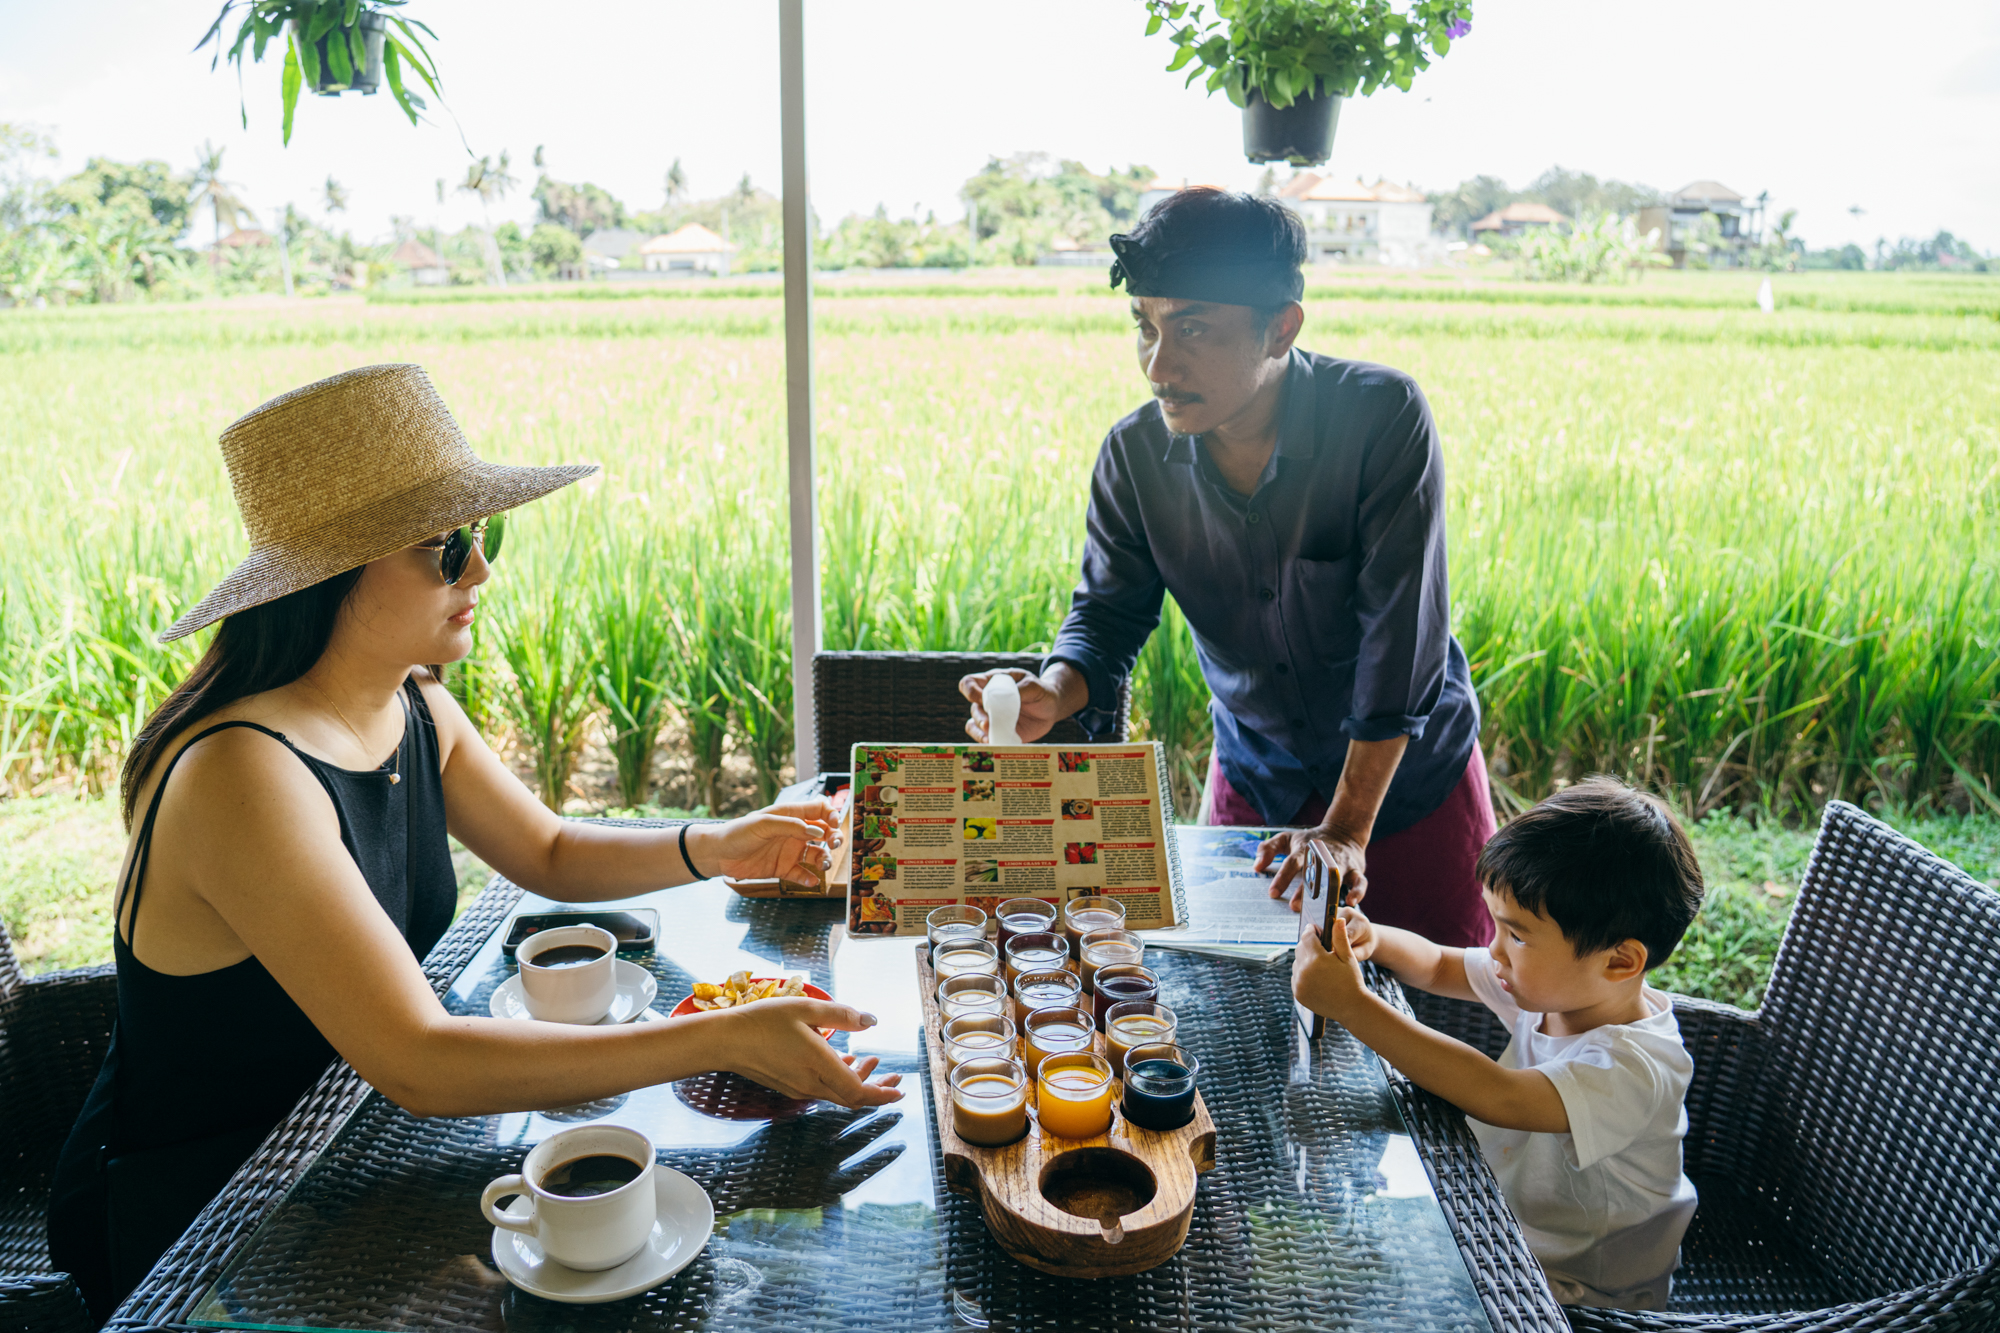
<point>1328,980</point>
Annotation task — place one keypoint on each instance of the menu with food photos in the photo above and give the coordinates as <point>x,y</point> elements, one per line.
<point>937,825</point>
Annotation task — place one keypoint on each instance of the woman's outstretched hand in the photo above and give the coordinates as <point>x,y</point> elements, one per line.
<point>794,842</point>
<point>777,1043</point>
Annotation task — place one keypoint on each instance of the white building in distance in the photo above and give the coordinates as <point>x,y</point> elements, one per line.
<point>1351,222</point>
<point>690,250</point>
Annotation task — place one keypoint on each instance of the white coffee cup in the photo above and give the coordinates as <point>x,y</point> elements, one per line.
<point>574,993</point>
<point>588,1233</point>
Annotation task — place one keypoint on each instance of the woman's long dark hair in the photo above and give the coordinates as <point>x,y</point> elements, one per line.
<point>260,649</point>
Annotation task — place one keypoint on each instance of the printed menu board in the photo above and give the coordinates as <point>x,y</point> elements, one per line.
<point>936,825</point>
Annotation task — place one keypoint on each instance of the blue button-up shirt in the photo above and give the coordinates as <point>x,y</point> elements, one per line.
<point>1318,603</point>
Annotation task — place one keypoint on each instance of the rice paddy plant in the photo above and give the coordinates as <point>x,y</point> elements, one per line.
<point>756,666</point>
<point>696,682</point>
<point>633,640</point>
<point>542,628</point>
<point>1170,698</point>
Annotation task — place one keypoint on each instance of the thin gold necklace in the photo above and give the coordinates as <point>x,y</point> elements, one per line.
<point>395,776</point>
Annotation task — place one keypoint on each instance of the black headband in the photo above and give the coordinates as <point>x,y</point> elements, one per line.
<point>1218,274</point>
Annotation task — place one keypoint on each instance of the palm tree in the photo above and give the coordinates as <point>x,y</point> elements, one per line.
<point>336,196</point>
<point>490,181</point>
<point>220,196</point>
<point>677,183</point>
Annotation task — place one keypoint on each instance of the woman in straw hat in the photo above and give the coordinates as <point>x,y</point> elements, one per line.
<point>288,867</point>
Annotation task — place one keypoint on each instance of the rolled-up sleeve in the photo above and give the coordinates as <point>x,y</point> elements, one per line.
<point>1401,598</point>
<point>1117,603</point>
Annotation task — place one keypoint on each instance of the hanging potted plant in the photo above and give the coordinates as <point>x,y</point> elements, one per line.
<point>1288,63</point>
<point>331,47</point>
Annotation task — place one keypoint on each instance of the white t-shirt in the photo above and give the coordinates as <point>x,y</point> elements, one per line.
<point>1603,1206</point>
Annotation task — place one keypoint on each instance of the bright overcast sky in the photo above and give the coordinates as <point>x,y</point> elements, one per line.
<point>1827,105</point>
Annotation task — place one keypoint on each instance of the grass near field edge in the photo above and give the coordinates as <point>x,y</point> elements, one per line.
<point>59,855</point>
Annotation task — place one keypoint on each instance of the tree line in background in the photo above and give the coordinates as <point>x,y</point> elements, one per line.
<point>118,231</point>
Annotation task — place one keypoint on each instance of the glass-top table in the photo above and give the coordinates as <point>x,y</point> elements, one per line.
<point>1319,1215</point>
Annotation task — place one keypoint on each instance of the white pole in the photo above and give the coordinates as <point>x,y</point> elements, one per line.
<point>799,380</point>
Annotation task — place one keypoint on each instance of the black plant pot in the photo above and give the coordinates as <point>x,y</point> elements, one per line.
<point>1301,134</point>
<point>368,77</point>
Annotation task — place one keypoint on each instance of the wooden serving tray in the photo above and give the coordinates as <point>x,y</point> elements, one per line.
<point>1099,1177</point>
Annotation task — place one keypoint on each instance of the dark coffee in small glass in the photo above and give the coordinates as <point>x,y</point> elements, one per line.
<point>567,955</point>
<point>599,1173</point>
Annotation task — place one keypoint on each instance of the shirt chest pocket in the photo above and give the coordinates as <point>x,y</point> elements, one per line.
<point>1319,609</point>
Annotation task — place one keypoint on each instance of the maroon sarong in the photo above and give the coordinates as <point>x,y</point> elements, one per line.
<point>1419,878</point>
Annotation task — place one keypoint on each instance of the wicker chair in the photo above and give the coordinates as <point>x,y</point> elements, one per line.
<point>1845,1138</point>
<point>911,697</point>
<point>53,1031</point>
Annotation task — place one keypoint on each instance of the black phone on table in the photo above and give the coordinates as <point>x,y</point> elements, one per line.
<point>633,928</point>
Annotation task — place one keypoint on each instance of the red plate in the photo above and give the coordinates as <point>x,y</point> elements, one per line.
<point>686,1006</point>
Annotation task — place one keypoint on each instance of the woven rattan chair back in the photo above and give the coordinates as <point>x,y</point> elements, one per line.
<point>911,697</point>
<point>1875,1128</point>
<point>53,1032</point>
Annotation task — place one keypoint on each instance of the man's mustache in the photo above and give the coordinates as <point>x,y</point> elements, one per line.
<point>1170,396</point>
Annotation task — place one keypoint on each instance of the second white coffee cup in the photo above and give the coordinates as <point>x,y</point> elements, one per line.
<point>563,980</point>
<point>589,1196</point>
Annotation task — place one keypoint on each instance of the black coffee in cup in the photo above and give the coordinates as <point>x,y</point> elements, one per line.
<point>600,1173</point>
<point>567,955</point>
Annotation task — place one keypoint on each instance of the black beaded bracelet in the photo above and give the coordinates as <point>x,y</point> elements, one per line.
<point>685,857</point>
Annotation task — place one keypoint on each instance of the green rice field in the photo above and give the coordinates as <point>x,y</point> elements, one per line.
<point>1752,561</point>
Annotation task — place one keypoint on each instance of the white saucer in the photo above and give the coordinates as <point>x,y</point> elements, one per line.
<point>686,1221</point>
<point>636,990</point>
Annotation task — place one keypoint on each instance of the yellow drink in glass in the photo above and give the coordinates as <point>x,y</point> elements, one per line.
<point>1073,1095</point>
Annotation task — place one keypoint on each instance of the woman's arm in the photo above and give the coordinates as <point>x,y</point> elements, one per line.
<point>489,810</point>
<point>276,872</point>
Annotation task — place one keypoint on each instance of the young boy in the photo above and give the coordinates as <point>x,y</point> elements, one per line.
<point>1581,1119</point>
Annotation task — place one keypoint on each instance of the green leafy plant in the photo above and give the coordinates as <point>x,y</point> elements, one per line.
<point>1287,49</point>
<point>1597,248</point>
<point>326,47</point>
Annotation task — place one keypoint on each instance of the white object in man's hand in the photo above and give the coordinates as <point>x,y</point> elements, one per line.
<point>1003,709</point>
<point>1036,707</point>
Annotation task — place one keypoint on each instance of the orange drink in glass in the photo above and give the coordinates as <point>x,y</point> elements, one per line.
<point>1073,1095</point>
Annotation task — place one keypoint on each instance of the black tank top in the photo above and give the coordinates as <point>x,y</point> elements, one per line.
<point>206,1065</point>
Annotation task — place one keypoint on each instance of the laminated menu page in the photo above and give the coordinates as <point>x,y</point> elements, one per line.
<point>936,825</point>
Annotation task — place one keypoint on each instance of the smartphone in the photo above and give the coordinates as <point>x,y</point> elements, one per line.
<point>634,929</point>
<point>1319,907</point>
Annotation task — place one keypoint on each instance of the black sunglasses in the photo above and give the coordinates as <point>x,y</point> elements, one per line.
<point>484,534</point>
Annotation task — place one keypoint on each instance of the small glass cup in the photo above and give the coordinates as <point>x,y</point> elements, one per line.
<point>989,1101</point>
<point>1105,948</point>
<point>1136,1023</point>
<point>1080,916</point>
<point>1119,982</point>
<point>1054,1031</point>
<point>960,954</point>
<point>951,922</point>
<point>1019,916</point>
<point>1036,951</point>
<point>1073,1095</point>
<point>971,993</point>
<point>1056,988</point>
<point>1160,1085</point>
<point>977,1037</point>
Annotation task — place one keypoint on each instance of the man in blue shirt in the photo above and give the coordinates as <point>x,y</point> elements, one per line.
<point>1293,504</point>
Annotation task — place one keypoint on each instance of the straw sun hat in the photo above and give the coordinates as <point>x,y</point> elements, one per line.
<point>347,470</point>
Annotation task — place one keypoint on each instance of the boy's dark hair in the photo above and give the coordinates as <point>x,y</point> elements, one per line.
<point>1605,862</point>
<point>1258,229</point>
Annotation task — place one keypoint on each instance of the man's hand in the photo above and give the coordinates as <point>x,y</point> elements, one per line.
<point>1327,980</point>
<point>1289,848</point>
<point>1041,707</point>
